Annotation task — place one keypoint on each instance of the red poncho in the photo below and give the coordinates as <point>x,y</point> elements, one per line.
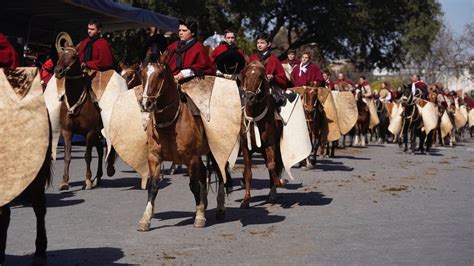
<point>273,67</point>
<point>102,58</point>
<point>8,56</point>
<point>221,49</point>
<point>302,77</point>
<point>195,58</point>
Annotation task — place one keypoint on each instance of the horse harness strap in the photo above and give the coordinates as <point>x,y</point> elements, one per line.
<point>169,123</point>
<point>72,110</point>
<point>248,120</point>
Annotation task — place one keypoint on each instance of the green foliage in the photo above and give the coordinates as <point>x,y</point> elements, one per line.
<point>368,33</point>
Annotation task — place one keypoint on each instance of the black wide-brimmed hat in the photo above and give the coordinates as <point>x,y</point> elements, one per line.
<point>230,62</point>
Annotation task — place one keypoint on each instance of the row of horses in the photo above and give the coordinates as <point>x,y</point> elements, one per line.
<point>176,134</point>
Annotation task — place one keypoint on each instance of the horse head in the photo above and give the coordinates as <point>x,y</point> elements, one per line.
<point>407,96</point>
<point>254,82</point>
<point>68,62</point>
<point>131,74</point>
<point>310,99</point>
<point>156,77</point>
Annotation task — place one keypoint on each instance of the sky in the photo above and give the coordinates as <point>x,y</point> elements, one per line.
<point>458,13</point>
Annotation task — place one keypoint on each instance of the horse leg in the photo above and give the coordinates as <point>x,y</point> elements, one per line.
<point>153,180</point>
<point>220,210</point>
<point>111,161</point>
<point>38,200</point>
<point>405,138</point>
<point>67,138</point>
<point>275,180</point>
<point>413,140</point>
<point>247,176</point>
<point>88,158</point>
<point>333,149</point>
<point>100,157</point>
<point>4,223</point>
<point>197,184</point>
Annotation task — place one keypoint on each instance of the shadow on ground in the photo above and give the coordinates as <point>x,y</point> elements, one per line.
<point>79,256</point>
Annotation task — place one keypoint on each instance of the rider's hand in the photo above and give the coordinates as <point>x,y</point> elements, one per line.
<point>269,77</point>
<point>83,66</point>
<point>179,76</point>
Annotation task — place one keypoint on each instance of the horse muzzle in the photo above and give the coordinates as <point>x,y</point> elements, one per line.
<point>59,72</point>
<point>250,97</point>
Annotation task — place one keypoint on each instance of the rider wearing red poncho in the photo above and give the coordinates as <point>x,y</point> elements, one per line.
<point>94,51</point>
<point>188,57</point>
<point>306,73</point>
<point>273,67</point>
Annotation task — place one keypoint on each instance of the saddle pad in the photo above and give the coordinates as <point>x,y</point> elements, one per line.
<point>127,134</point>
<point>24,132</point>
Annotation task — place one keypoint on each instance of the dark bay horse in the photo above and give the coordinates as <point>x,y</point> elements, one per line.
<point>131,74</point>
<point>79,115</point>
<point>259,112</point>
<point>174,134</point>
<point>412,122</point>
<point>36,192</point>
<point>382,128</point>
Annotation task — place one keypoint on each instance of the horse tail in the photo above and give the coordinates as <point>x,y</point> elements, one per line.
<point>46,171</point>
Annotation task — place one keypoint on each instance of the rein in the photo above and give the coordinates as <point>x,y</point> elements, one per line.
<point>71,110</point>
<point>65,70</point>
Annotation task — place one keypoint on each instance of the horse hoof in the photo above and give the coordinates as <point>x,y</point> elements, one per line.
<point>98,181</point>
<point>64,186</point>
<point>242,183</point>
<point>110,171</point>
<point>245,204</point>
<point>39,261</point>
<point>143,227</point>
<point>220,215</point>
<point>199,222</point>
<point>88,185</point>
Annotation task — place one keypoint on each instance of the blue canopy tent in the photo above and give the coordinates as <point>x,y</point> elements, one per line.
<point>40,21</point>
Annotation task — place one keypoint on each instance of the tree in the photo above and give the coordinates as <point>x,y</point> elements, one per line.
<point>367,32</point>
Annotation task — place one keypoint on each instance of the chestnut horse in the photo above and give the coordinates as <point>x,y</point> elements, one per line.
<point>131,74</point>
<point>174,134</point>
<point>317,123</point>
<point>36,192</point>
<point>259,112</point>
<point>80,115</point>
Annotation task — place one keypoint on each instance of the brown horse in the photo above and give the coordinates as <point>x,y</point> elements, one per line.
<point>317,124</point>
<point>79,115</point>
<point>174,134</point>
<point>36,192</point>
<point>259,112</point>
<point>131,74</point>
<point>361,127</point>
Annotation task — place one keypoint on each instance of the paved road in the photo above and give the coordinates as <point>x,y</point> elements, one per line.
<point>367,206</point>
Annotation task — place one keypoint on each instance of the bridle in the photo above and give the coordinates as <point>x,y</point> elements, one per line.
<point>153,98</point>
<point>66,69</point>
<point>258,91</point>
<point>153,107</point>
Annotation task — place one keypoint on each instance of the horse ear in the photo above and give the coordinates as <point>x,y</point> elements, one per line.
<point>163,57</point>
<point>121,65</point>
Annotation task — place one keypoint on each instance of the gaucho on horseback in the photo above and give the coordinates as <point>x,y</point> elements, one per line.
<point>94,51</point>
<point>188,57</point>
